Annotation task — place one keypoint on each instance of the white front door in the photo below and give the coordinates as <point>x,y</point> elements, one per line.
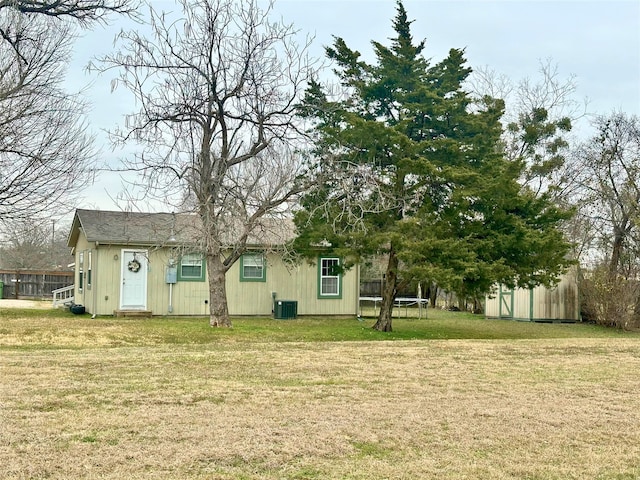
<point>133,288</point>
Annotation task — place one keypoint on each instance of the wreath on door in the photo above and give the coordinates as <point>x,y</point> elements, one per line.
<point>133,266</point>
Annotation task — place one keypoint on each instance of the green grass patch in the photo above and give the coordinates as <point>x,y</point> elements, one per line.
<point>9,313</point>
<point>372,449</point>
<point>55,329</point>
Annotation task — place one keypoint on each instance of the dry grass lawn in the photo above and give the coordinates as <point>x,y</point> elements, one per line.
<point>441,409</point>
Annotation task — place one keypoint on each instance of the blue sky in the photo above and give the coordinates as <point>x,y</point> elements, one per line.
<point>596,41</point>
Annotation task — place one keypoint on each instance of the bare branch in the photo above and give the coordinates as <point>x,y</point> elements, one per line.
<point>217,89</point>
<point>608,171</point>
<point>539,114</point>
<point>84,12</point>
<point>44,145</point>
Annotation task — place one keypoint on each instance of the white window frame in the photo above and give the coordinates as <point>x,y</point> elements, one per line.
<point>191,260</point>
<point>324,265</point>
<point>256,261</point>
<point>81,271</point>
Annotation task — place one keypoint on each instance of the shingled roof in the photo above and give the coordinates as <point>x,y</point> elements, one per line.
<point>136,228</point>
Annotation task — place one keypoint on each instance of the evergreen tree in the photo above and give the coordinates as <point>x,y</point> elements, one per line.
<point>410,167</point>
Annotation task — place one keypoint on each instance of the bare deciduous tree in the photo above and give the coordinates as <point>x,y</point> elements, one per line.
<point>34,244</point>
<point>217,90</point>
<point>610,201</point>
<point>84,12</point>
<point>44,145</point>
<point>610,176</point>
<point>539,114</point>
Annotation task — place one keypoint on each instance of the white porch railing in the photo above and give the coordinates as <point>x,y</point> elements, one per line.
<point>63,296</point>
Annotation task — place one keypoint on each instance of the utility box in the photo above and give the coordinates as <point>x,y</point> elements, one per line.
<point>285,309</point>
<point>171,275</point>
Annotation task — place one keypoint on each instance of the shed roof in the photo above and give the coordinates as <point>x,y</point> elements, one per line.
<point>138,228</point>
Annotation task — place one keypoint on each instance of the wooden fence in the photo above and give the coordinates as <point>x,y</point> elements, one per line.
<point>33,283</point>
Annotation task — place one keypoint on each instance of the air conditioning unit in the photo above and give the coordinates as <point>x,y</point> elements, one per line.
<point>285,309</point>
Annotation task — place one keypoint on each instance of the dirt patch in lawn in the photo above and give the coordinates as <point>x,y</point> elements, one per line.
<point>22,303</point>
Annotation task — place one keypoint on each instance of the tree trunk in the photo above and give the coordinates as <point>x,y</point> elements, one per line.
<point>620,233</point>
<point>433,295</point>
<point>616,252</point>
<point>477,306</point>
<point>462,304</point>
<point>388,294</point>
<point>219,311</point>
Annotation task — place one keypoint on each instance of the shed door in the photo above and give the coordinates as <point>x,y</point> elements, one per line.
<point>506,303</point>
<point>133,288</point>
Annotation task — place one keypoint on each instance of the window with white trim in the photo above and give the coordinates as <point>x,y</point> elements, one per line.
<point>89,270</point>
<point>80,271</point>
<point>329,278</point>
<point>252,267</point>
<point>191,268</point>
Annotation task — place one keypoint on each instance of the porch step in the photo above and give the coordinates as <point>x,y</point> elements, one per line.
<point>133,313</point>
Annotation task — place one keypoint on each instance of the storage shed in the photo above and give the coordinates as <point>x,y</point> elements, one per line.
<point>539,304</point>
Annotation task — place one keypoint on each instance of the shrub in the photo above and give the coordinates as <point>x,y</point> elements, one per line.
<point>610,299</point>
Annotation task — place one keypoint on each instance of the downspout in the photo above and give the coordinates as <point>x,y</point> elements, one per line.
<point>94,277</point>
<point>357,293</point>
<point>170,309</point>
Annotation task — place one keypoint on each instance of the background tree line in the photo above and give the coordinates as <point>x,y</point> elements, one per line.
<point>34,245</point>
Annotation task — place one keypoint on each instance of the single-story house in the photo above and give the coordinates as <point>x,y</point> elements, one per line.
<point>560,303</point>
<point>148,262</point>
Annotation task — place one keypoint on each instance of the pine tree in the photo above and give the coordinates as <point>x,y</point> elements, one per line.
<point>410,167</point>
